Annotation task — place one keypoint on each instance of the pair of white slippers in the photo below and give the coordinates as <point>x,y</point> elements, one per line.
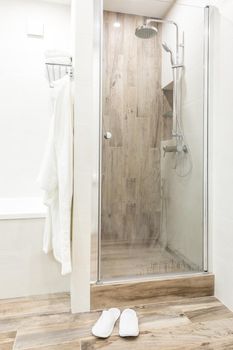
<point>128,325</point>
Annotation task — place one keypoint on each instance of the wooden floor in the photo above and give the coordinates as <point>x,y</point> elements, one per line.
<point>45,323</point>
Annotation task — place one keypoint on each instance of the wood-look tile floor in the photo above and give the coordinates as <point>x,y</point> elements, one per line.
<point>119,260</point>
<point>45,323</point>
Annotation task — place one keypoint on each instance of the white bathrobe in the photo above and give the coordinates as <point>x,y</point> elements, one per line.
<point>56,177</point>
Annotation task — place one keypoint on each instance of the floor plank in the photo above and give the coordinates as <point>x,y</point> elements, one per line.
<point>7,340</point>
<point>202,335</point>
<point>76,345</point>
<point>80,326</point>
<point>184,324</point>
<point>7,346</point>
<point>212,313</point>
<point>41,304</point>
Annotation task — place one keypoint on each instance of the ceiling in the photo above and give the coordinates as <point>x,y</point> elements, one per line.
<point>150,8</point>
<point>64,2</point>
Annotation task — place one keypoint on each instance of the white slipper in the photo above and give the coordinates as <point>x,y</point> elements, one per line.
<point>128,326</point>
<point>104,326</point>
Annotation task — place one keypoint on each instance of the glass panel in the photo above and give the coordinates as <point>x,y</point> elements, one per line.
<point>152,144</point>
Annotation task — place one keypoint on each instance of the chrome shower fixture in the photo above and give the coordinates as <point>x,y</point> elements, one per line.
<point>167,49</point>
<point>146,31</point>
<point>174,149</point>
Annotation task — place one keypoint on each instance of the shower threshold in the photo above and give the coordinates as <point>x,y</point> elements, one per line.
<point>150,290</point>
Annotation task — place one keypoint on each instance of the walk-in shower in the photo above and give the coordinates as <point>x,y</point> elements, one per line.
<point>151,210</point>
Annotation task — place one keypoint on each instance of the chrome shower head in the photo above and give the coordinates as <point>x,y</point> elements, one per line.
<point>146,31</point>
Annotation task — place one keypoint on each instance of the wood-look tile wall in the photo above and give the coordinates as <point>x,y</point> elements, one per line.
<point>132,112</point>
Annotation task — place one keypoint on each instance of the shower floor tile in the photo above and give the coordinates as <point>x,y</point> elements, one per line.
<point>122,260</point>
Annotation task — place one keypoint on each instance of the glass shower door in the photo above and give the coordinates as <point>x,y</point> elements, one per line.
<point>152,167</point>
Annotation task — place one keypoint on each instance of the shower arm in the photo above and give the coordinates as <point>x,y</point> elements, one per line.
<point>158,20</point>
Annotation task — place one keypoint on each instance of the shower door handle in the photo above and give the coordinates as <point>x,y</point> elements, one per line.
<point>108,135</point>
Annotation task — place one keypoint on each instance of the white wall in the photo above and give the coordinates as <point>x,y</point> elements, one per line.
<point>84,122</point>
<point>184,195</point>
<point>25,114</point>
<point>24,93</point>
<point>225,7</point>
<point>222,159</point>
<point>24,268</point>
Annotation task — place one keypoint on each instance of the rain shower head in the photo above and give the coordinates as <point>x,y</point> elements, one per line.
<point>146,31</point>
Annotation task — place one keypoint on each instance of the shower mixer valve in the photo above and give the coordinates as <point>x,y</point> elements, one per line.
<point>174,149</point>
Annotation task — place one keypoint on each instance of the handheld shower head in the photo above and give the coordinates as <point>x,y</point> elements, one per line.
<point>167,49</point>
